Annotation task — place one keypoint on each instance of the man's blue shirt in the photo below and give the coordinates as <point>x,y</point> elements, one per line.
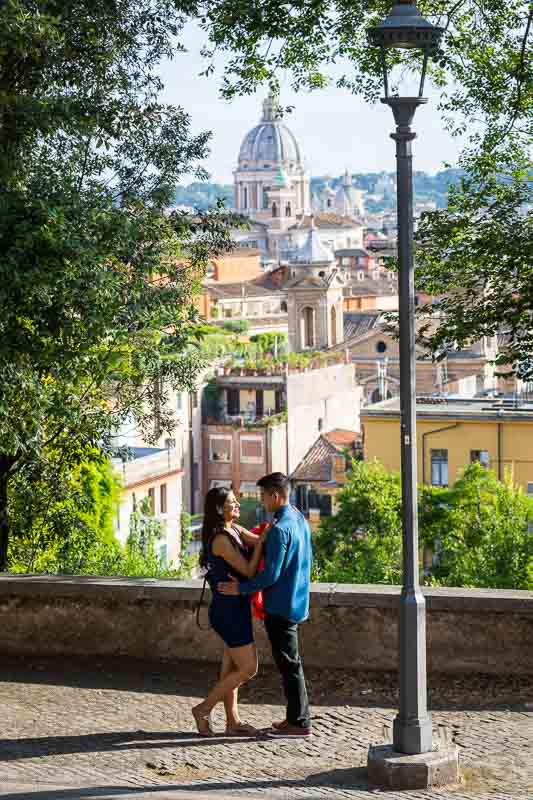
<point>285,578</point>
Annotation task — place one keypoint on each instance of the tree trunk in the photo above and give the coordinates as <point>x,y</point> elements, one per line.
<point>6,462</point>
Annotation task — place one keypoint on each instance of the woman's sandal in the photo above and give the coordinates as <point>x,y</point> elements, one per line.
<point>203,723</point>
<point>242,729</point>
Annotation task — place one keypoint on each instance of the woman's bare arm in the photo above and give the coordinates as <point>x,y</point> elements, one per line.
<point>222,547</point>
<point>248,537</point>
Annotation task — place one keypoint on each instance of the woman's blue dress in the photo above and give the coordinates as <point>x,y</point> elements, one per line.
<point>230,616</point>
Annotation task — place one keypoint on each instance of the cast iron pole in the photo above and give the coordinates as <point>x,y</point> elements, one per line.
<point>412,725</point>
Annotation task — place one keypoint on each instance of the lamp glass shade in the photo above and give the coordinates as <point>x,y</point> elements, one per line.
<point>405,28</point>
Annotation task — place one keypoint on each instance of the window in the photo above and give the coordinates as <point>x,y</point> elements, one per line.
<point>288,210</point>
<point>360,275</point>
<point>195,476</point>
<point>259,403</point>
<point>151,499</point>
<point>252,449</point>
<point>194,399</point>
<point>439,468</point>
<point>179,401</point>
<point>381,347</point>
<point>163,498</point>
<point>210,272</point>
<point>320,424</point>
<point>283,307</point>
<point>265,196</point>
<point>219,447</point>
<point>245,197</point>
<point>308,325</point>
<point>345,261</point>
<point>233,402</point>
<point>333,326</point>
<point>480,457</point>
<point>274,210</point>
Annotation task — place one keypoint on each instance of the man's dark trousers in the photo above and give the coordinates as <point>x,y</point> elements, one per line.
<point>283,635</point>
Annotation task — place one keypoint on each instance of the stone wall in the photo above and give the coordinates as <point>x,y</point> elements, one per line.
<point>481,630</point>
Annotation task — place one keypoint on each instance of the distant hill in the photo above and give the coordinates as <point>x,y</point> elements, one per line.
<point>426,187</point>
<point>203,195</point>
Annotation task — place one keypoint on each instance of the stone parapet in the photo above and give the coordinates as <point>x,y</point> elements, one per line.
<point>479,630</point>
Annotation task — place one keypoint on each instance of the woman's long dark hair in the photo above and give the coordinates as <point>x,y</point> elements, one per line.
<point>213,518</point>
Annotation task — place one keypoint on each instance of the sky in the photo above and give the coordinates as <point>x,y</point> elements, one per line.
<point>335,129</point>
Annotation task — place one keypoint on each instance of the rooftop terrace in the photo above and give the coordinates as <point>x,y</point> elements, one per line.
<point>460,408</point>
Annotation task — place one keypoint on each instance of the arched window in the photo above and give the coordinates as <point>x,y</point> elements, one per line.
<point>274,210</point>
<point>333,326</point>
<point>245,197</point>
<point>288,210</point>
<point>381,347</point>
<point>329,202</point>
<point>283,306</point>
<point>308,327</point>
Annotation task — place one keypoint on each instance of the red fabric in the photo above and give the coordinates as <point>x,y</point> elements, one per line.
<point>257,598</point>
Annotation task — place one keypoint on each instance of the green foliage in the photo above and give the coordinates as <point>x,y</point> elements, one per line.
<point>362,542</point>
<point>477,255</point>
<point>59,520</point>
<point>236,326</point>
<point>483,537</point>
<point>479,530</point>
<point>212,400</point>
<point>96,282</point>
<point>270,342</point>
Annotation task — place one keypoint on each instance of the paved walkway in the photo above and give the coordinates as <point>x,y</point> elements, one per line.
<point>76,730</point>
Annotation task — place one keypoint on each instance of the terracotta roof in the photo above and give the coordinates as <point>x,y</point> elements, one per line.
<point>239,252</point>
<point>340,437</point>
<point>325,220</point>
<point>316,465</point>
<point>357,323</point>
<point>235,290</point>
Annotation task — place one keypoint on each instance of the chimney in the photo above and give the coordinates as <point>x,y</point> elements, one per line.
<point>338,468</point>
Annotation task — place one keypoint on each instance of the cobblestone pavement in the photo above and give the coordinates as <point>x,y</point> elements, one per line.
<point>120,728</point>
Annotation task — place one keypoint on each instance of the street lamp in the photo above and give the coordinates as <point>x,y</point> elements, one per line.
<point>405,28</point>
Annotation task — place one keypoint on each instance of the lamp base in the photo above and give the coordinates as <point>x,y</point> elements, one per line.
<point>393,770</point>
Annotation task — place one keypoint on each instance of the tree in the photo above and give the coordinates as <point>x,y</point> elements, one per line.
<point>483,68</point>
<point>477,257</point>
<point>484,538</point>
<point>61,518</point>
<point>479,530</point>
<point>95,279</point>
<point>362,542</point>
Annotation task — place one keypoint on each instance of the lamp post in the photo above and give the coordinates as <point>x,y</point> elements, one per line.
<point>405,28</point>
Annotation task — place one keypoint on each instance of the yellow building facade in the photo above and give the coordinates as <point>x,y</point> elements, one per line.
<point>453,434</point>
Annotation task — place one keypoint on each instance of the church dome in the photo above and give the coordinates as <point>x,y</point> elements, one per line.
<point>271,141</point>
<point>348,199</point>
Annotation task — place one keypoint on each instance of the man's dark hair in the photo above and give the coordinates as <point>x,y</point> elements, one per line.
<point>275,482</point>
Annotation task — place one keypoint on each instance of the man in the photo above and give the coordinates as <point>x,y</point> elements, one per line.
<point>284,582</point>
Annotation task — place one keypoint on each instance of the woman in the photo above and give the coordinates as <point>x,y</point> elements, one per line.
<point>228,549</point>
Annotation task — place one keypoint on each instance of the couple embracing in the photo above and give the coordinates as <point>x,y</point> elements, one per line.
<point>232,557</point>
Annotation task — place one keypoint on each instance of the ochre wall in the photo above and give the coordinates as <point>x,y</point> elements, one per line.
<point>382,441</point>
